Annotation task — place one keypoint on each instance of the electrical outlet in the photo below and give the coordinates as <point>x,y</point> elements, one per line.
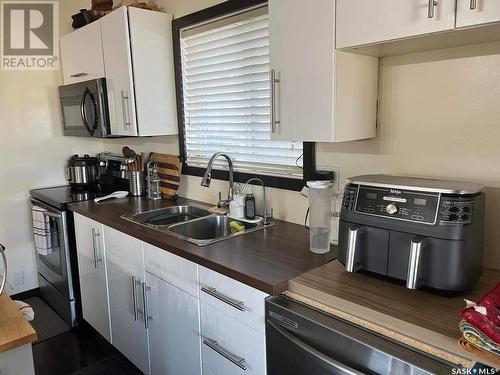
<point>18,278</point>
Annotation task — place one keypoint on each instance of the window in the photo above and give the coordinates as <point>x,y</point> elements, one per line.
<point>223,79</point>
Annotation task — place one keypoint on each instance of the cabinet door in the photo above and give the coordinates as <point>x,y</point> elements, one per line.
<point>174,333</point>
<point>17,361</point>
<point>227,295</point>
<point>92,270</point>
<point>304,94</point>
<point>230,347</point>
<point>175,270</point>
<point>126,299</point>
<point>153,64</point>
<point>119,79</point>
<point>81,54</point>
<point>362,22</point>
<point>477,12</point>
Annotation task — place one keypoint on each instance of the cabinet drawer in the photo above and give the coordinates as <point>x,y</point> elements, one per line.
<point>228,344</point>
<point>123,246</point>
<point>235,299</point>
<point>169,267</point>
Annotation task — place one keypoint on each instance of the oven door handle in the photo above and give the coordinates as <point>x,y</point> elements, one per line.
<point>50,214</point>
<point>332,363</point>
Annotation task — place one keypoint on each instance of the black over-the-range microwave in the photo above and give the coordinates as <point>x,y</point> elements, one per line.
<point>84,107</point>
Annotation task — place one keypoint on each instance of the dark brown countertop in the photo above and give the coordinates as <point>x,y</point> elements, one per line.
<point>421,319</point>
<point>266,259</point>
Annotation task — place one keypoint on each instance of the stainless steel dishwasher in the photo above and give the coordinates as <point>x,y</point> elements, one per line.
<point>304,341</point>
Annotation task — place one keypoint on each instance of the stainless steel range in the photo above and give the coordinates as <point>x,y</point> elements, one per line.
<point>55,248</point>
<point>54,232</point>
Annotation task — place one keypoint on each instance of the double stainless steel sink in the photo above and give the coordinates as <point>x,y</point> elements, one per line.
<point>192,223</point>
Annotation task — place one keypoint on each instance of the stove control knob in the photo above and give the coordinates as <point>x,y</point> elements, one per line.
<point>391,209</point>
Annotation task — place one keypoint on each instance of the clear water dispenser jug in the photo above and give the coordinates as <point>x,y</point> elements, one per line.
<point>320,215</point>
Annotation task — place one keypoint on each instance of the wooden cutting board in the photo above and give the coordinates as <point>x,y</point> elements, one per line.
<point>169,171</point>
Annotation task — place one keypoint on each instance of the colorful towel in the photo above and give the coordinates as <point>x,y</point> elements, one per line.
<point>476,337</point>
<point>484,315</point>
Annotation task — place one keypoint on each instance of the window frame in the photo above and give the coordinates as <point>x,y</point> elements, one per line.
<point>226,8</point>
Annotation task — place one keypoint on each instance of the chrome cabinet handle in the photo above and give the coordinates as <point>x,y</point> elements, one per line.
<point>135,283</point>
<point>4,260</point>
<point>413,279</point>
<point>94,251</point>
<point>95,235</point>
<point>82,74</point>
<point>214,345</point>
<point>273,80</point>
<point>431,8</point>
<point>147,317</point>
<point>473,4</point>
<point>330,362</point>
<point>352,239</point>
<point>239,305</point>
<point>125,106</point>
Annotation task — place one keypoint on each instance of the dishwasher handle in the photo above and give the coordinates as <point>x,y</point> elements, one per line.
<point>332,363</point>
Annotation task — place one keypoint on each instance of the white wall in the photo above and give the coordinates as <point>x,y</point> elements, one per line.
<point>33,152</point>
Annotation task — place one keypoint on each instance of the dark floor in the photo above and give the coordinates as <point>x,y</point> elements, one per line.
<point>47,323</point>
<point>79,351</point>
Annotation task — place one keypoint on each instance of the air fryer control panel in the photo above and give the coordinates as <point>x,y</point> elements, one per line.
<point>408,205</point>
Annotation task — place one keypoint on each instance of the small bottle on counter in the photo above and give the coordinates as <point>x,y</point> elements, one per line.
<point>250,206</point>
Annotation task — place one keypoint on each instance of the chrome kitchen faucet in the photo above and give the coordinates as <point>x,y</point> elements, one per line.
<point>207,178</point>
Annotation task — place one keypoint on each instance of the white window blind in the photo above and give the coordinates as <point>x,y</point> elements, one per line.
<point>225,73</point>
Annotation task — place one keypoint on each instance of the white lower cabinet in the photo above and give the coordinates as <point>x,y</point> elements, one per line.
<point>235,299</point>
<point>92,271</point>
<point>174,331</point>
<point>230,347</point>
<point>126,297</point>
<point>208,371</point>
<point>18,361</point>
<point>148,301</point>
<point>130,335</point>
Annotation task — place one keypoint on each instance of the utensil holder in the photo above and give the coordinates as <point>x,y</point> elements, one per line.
<point>137,186</point>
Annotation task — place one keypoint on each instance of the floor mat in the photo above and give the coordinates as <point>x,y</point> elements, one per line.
<point>47,322</point>
<point>114,365</point>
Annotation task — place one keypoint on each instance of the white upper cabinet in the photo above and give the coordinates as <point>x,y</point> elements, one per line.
<point>477,12</point>
<point>153,66</point>
<point>119,76</point>
<point>131,48</point>
<point>319,94</point>
<point>138,58</point>
<point>362,22</point>
<point>81,54</point>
